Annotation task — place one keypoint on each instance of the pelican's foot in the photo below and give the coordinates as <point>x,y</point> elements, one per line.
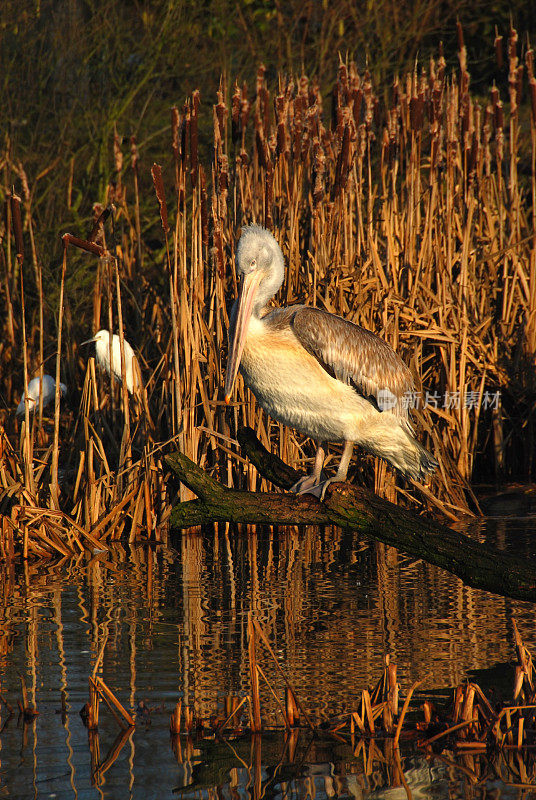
<point>310,485</point>
<point>304,485</point>
<point>319,490</point>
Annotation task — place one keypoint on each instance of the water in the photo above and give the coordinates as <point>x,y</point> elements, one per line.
<point>174,623</point>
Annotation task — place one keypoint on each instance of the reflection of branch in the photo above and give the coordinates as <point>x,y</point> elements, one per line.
<point>120,741</point>
<point>349,507</point>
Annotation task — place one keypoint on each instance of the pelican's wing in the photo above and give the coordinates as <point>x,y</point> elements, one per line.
<point>355,356</point>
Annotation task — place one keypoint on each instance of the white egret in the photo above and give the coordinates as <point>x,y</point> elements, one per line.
<point>49,391</point>
<point>102,351</point>
<point>317,372</point>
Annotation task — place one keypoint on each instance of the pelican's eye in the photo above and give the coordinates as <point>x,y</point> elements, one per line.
<point>253,263</point>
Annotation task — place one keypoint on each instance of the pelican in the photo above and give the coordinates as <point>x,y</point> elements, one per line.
<point>318,373</point>
<point>49,393</point>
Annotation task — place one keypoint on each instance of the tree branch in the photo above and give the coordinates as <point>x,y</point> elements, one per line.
<point>349,507</point>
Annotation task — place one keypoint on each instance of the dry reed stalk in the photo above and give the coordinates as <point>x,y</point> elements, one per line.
<point>27,441</point>
<point>54,488</point>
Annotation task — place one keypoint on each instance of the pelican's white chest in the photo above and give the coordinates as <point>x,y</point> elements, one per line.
<point>292,387</point>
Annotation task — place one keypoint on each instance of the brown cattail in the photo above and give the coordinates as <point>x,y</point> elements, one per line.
<point>416,113</point>
<point>281,107</point>
<point>83,244</point>
<point>175,142</point>
<point>343,163</point>
<point>357,102</point>
<point>221,115</point>
<point>235,114</point>
<point>156,172</point>
<point>532,89</point>
<point>101,215</point>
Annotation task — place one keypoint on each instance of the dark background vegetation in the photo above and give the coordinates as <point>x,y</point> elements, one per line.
<point>71,70</point>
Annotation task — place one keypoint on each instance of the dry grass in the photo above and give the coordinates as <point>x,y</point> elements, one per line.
<point>416,220</point>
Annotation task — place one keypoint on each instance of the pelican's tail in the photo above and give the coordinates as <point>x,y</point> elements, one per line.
<point>404,453</point>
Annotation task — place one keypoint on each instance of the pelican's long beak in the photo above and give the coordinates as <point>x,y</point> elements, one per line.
<point>88,341</point>
<point>250,286</point>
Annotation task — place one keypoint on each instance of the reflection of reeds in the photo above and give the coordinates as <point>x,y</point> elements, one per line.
<point>408,218</point>
<point>329,654</point>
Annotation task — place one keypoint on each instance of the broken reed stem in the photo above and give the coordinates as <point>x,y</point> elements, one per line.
<point>454,728</point>
<point>232,714</point>
<point>120,713</point>
<point>405,707</point>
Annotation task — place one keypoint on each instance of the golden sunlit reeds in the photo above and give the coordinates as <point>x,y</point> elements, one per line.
<point>414,218</point>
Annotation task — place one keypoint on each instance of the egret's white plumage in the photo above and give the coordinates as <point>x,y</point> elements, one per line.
<point>102,351</point>
<point>317,372</point>
<point>49,392</point>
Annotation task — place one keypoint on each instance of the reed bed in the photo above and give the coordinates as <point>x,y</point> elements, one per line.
<point>414,217</point>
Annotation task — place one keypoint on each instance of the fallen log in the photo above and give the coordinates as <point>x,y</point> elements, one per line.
<point>351,507</point>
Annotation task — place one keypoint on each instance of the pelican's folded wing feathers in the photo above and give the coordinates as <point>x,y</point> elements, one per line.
<point>355,356</point>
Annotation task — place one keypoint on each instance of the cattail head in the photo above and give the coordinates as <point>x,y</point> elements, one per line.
<point>156,172</point>
<point>532,89</point>
<point>235,114</point>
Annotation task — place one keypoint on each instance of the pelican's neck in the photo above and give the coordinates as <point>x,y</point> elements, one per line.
<point>256,327</point>
<point>273,281</point>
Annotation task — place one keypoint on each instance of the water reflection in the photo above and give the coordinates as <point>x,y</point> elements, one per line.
<point>175,617</point>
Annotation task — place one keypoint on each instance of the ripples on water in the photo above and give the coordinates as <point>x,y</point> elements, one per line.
<point>175,618</point>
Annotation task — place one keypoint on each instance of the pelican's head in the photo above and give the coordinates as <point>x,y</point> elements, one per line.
<point>260,265</point>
